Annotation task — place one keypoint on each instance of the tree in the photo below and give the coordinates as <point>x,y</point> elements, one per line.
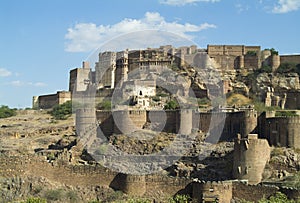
<point>6,112</point>
<point>62,111</point>
<point>104,105</point>
<point>277,198</point>
<point>171,105</point>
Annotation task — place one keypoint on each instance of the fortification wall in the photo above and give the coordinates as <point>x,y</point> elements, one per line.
<point>91,175</point>
<point>63,97</point>
<point>128,121</point>
<point>50,100</point>
<point>252,193</point>
<point>225,125</point>
<point>85,118</point>
<point>47,101</point>
<point>290,59</point>
<point>95,175</point>
<point>250,158</point>
<point>283,131</point>
<point>212,191</point>
<point>228,124</point>
<point>252,62</point>
<point>292,100</point>
<point>168,118</point>
<point>225,62</point>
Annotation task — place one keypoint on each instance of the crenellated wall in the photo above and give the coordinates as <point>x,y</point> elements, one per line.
<point>51,100</point>
<point>212,191</point>
<point>250,157</point>
<point>283,131</point>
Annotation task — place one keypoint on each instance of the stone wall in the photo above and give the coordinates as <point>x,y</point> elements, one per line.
<point>138,185</point>
<point>290,59</point>
<point>50,100</point>
<point>224,126</point>
<point>252,192</point>
<point>250,157</point>
<point>292,100</point>
<point>212,191</point>
<point>283,131</point>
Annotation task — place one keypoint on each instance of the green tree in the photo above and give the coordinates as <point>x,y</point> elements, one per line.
<point>63,111</point>
<point>180,199</point>
<point>273,51</point>
<point>277,198</point>
<point>6,112</point>
<point>104,105</point>
<point>171,105</point>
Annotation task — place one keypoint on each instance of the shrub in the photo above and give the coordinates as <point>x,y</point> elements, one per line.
<point>35,200</point>
<point>63,111</point>
<point>6,112</point>
<point>54,195</point>
<point>171,105</point>
<point>285,113</point>
<point>72,196</point>
<point>251,53</point>
<point>104,105</point>
<point>181,199</point>
<point>277,198</point>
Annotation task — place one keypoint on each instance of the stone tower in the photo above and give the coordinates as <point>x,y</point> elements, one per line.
<point>186,121</point>
<point>250,121</point>
<point>212,191</point>
<point>85,120</point>
<point>250,157</point>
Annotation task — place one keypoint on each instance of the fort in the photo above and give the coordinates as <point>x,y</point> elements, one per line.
<point>253,133</point>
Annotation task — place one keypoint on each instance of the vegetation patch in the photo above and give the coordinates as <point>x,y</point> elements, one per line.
<point>62,112</point>
<point>6,112</point>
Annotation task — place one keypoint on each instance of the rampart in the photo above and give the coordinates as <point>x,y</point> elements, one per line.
<point>283,131</point>
<point>138,185</point>
<point>49,101</point>
<point>227,125</point>
<point>290,59</point>
<point>212,191</point>
<point>250,157</point>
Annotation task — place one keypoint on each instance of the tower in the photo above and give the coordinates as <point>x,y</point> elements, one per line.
<point>250,157</point>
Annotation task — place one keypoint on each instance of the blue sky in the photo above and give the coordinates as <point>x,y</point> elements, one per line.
<point>40,41</point>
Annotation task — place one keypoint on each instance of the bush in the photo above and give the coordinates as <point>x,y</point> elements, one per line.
<point>171,105</point>
<point>63,111</point>
<point>251,53</point>
<point>54,195</point>
<point>289,68</point>
<point>277,198</point>
<point>285,113</point>
<point>104,105</point>
<point>6,112</point>
<point>181,199</point>
<point>35,200</point>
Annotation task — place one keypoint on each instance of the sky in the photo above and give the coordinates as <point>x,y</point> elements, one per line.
<point>41,41</point>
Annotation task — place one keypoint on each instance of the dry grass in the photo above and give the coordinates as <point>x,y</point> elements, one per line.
<point>238,100</point>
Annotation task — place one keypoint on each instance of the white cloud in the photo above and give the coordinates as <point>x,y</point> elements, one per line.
<point>18,83</point>
<point>184,2</point>
<point>88,36</point>
<point>285,6</point>
<point>241,8</point>
<point>4,72</point>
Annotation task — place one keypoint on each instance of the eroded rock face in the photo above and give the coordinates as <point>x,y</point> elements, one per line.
<point>288,81</point>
